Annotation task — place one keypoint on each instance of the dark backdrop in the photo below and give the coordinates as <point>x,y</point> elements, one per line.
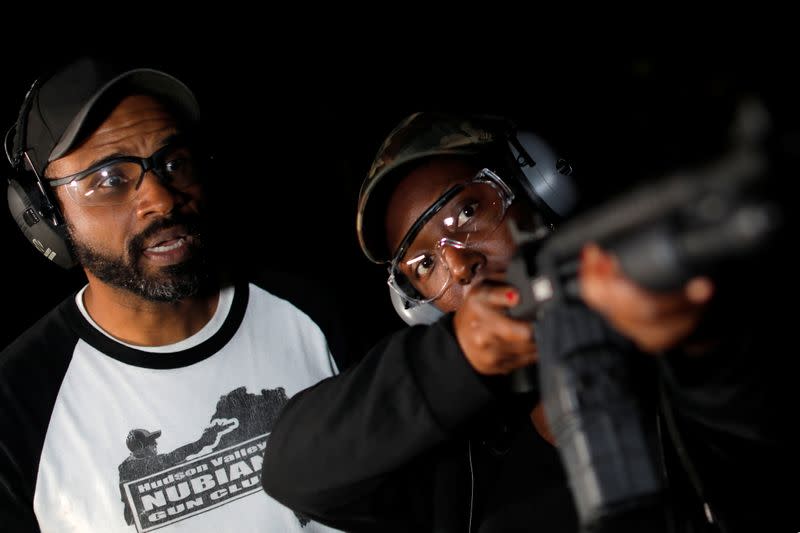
<point>295,134</point>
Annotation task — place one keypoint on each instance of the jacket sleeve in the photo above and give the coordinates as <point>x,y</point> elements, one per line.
<point>353,451</point>
<point>31,371</point>
<point>733,410</point>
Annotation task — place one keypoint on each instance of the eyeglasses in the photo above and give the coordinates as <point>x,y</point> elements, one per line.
<point>117,181</point>
<point>464,215</point>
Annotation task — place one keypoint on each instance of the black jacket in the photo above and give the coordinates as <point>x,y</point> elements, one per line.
<point>412,439</point>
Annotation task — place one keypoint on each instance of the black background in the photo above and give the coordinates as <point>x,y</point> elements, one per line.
<point>295,129</point>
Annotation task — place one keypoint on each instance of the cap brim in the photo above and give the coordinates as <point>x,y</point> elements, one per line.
<point>150,81</point>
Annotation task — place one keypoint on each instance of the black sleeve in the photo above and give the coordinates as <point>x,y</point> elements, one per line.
<point>734,410</point>
<point>739,385</point>
<point>352,451</point>
<point>31,371</point>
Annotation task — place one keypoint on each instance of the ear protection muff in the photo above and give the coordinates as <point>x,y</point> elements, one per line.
<point>412,313</point>
<point>546,178</point>
<point>32,206</point>
<point>39,223</point>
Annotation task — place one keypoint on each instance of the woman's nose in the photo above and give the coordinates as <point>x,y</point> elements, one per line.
<point>463,263</point>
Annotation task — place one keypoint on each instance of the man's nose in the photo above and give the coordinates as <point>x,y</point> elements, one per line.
<point>154,197</point>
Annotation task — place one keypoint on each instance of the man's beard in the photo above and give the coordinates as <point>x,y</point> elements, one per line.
<point>170,283</point>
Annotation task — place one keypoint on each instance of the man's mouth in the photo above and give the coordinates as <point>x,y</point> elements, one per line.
<point>168,246</point>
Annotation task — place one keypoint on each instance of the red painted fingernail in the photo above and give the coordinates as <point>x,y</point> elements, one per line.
<point>511,296</point>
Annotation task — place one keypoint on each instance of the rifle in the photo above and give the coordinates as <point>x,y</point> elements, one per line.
<point>662,233</point>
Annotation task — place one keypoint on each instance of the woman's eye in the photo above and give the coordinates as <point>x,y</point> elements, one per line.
<point>425,267</point>
<point>466,214</point>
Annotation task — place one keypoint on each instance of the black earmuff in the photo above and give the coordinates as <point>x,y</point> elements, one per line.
<point>32,206</point>
<point>40,225</point>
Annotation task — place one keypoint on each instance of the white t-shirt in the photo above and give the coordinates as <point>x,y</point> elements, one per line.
<point>207,403</point>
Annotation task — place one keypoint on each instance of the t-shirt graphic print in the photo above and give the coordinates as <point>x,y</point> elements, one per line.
<point>222,465</point>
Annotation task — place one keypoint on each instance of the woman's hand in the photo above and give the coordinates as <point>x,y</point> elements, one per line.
<point>493,342</point>
<point>654,321</point>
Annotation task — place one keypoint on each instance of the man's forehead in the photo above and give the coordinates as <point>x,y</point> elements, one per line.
<point>132,109</point>
<point>136,124</point>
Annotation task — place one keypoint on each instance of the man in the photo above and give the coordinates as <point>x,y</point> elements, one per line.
<point>112,174</point>
<point>424,435</point>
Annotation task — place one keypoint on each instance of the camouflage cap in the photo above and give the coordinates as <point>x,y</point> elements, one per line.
<point>419,136</point>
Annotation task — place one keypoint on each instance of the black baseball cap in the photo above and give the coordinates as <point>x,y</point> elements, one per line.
<point>60,108</point>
